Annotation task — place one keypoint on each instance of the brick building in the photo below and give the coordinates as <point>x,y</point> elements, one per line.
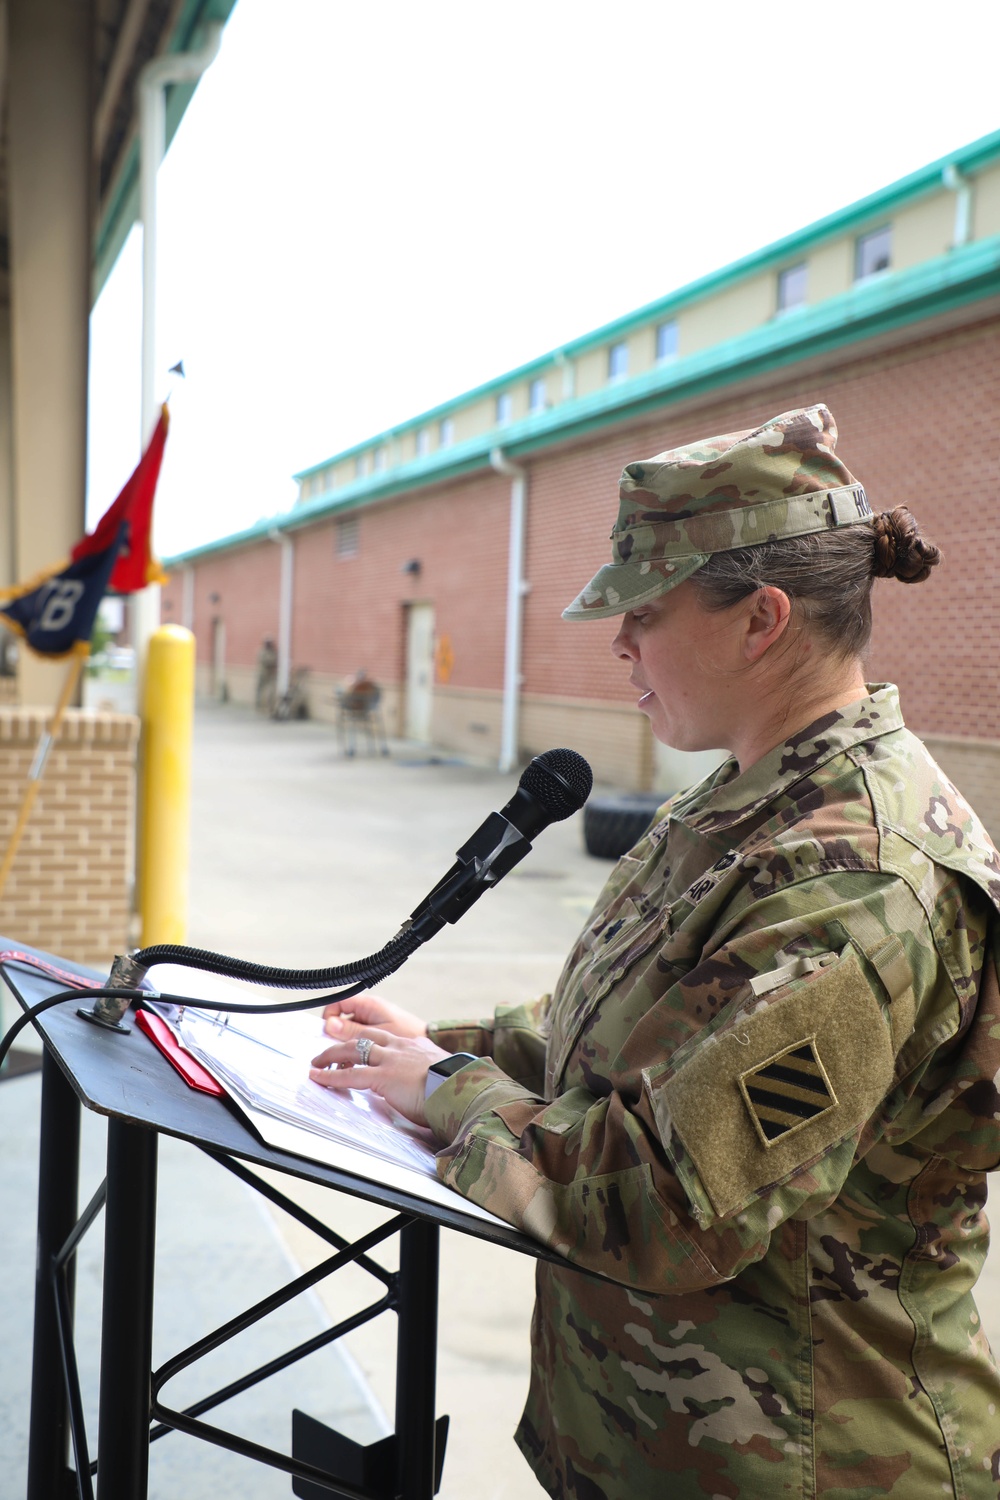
<point>438,556</point>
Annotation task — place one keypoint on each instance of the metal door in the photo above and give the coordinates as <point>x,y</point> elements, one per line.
<point>219,688</point>
<point>419,671</point>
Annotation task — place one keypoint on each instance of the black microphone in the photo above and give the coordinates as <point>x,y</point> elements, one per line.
<point>552,786</point>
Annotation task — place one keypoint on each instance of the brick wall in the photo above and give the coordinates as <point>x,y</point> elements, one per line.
<point>917,426</point>
<point>70,886</point>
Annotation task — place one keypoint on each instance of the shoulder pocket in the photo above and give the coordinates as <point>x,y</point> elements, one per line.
<point>793,1072</point>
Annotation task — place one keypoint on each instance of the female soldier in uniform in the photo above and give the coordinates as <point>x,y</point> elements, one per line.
<point>760,1102</point>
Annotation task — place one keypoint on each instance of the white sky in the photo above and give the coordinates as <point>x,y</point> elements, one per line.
<point>370,208</point>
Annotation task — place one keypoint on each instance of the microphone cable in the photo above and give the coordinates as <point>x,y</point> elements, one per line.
<point>137,996</point>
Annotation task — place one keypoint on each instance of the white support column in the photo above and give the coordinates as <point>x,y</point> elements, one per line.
<point>173,67</point>
<point>516,590</point>
<point>50,167</point>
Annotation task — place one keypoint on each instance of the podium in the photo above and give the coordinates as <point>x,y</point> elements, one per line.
<point>127,1079</point>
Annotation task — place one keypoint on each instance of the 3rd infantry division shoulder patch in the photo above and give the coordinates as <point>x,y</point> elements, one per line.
<point>789,1090</point>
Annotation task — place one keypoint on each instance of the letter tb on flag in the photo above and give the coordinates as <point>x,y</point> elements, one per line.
<point>54,614</point>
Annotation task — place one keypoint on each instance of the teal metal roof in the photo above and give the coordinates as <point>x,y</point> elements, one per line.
<point>868,210</point>
<point>868,310</point>
<point>121,209</point>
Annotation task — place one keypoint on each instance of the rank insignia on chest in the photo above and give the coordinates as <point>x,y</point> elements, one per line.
<point>789,1090</point>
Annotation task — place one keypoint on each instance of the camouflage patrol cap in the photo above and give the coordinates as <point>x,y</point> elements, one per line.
<point>780,480</point>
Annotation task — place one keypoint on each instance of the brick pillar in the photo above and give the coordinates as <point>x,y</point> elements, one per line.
<point>70,888</point>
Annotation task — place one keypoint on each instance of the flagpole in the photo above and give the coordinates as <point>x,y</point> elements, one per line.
<point>37,770</point>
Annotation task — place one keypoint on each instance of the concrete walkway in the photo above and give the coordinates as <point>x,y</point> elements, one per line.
<point>301,857</point>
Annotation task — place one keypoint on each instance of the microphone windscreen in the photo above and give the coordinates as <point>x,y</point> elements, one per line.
<point>561,780</point>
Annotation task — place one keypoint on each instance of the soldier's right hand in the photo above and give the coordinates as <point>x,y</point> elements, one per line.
<point>345,1019</point>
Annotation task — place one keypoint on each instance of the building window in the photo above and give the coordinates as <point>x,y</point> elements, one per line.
<point>873,252</point>
<point>423,441</point>
<point>346,537</point>
<point>505,407</point>
<point>537,397</point>
<point>666,341</point>
<point>361,466</point>
<point>446,432</point>
<point>618,361</point>
<point>792,287</point>
<point>380,458</point>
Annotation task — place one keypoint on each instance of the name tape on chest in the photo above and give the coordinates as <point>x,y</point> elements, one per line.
<point>701,887</point>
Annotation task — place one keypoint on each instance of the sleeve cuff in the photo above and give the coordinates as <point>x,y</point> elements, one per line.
<point>458,1036</point>
<point>474,1090</point>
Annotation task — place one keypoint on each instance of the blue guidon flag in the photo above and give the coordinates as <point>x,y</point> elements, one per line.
<point>54,612</point>
<point>55,615</point>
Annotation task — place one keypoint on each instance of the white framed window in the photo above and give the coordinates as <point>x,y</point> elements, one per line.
<point>505,407</point>
<point>422,441</point>
<point>361,466</point>
<point>380,458</point>
<point>873,252</point>
<point>345,541</point>
<point>618,360</point>
<point>666,341</point>
<point>793,283</point>
<point>446,432</point>
<point>537,395</point>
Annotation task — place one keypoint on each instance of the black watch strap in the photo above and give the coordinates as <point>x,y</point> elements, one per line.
<point>445,1066</point>
<point>439,1071</point>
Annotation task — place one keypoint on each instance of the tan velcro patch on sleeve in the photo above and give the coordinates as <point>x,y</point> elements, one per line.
<point>784,1079</point>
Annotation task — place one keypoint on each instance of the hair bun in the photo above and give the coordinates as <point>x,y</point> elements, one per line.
<point>900,550</point>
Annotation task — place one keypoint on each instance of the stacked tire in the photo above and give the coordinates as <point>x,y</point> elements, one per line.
<point>613,823</point>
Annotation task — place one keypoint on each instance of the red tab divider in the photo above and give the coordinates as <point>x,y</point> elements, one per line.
<point>192,1072</point>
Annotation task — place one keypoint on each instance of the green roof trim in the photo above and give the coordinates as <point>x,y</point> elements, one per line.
<point>868,210</point>
<point>869,310</point>
<point>122,208</point>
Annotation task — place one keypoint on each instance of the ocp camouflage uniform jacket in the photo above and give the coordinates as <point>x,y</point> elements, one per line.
<point>761,1102</point>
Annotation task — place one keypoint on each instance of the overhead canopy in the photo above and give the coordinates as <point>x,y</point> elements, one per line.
<point>126,34</point>
<point>69,194</point>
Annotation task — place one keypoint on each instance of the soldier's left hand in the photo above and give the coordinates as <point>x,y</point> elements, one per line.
<point>394,1067</point>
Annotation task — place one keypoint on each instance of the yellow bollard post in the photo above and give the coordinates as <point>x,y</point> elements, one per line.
<point>165,786</point>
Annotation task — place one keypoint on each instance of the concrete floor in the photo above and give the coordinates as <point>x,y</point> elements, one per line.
<point>301,857</point>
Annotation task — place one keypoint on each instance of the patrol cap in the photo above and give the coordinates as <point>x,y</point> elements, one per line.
<point>781,479</point>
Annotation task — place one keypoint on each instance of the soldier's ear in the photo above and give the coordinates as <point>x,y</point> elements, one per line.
<point>766,621</point>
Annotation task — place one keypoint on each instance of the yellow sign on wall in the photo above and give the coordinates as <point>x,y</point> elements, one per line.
<point>444,659</point>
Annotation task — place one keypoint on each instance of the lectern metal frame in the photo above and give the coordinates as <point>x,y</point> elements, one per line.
<point>126,1079</point>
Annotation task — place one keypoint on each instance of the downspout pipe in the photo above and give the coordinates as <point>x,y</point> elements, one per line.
<point>962,188</point>
<point>285,600</point>
<point>187,598</point>
<point>517,587</point>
